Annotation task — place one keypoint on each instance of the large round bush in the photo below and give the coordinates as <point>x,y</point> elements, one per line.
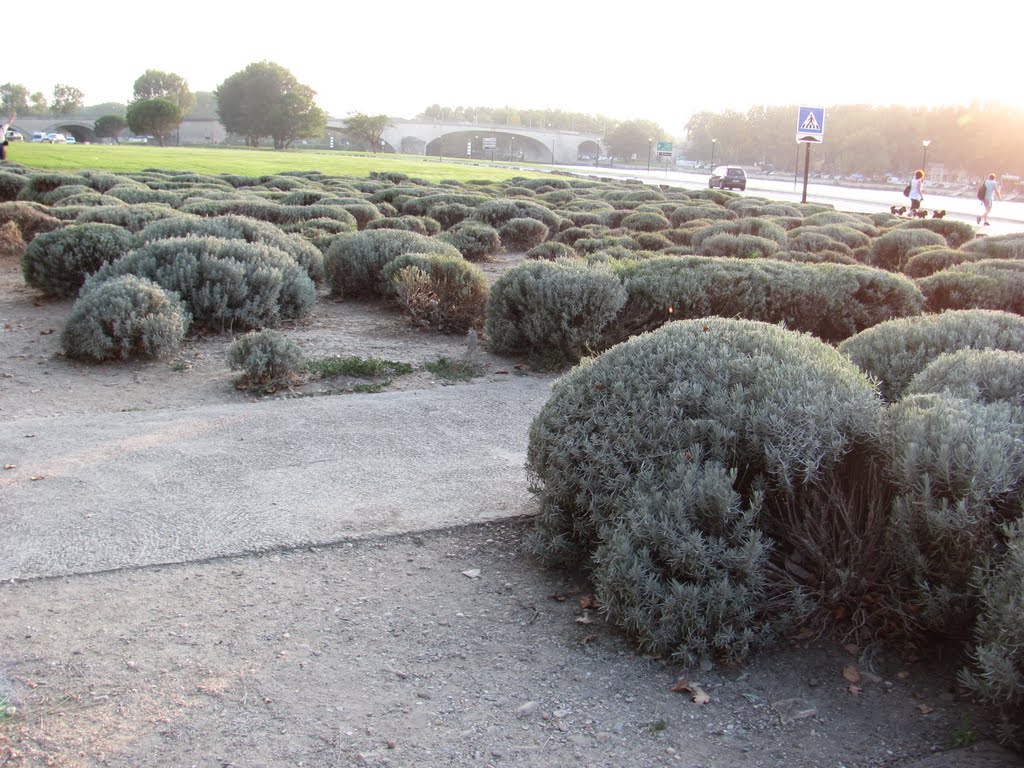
<point>56,263</point>
<point>981,376</point>
<point>225,283</point>
<point>557,310</point>
<point>443,292</point>
<point>355,262</point>
<point>894,351</point>
<point>241,228</point>
<point>125,317</point>
<point>654,460</point>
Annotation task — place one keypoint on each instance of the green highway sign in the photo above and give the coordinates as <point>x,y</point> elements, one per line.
<point>664,149</point>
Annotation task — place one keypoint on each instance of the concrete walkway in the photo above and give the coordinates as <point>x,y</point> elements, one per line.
<point>114,490</point>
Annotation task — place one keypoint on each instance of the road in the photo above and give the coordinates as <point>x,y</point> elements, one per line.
<point>1006,218</point>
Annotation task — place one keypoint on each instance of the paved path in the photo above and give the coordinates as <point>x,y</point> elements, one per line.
<point>124,489</point>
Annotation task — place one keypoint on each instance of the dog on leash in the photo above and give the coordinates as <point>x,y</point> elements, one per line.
<point>938,214</point>
<point>898,211</point>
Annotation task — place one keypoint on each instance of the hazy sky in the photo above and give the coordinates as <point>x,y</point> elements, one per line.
<point>657,60</point>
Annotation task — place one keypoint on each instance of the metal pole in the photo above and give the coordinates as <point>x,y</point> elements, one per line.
<point>648,155</point>
<point>713,142</point>
<point>552,151</point>
<point>796,166</point>
<point>807,168</point>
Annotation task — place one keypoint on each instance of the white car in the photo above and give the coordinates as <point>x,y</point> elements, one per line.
<point>55,138</point>
<point>38,136</point>
<point>14,136</point>
<point>69,139</point>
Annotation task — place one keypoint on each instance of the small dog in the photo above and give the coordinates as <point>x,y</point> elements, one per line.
<point>920,213</point>
<point>938,214</point>
<point>898,211</point>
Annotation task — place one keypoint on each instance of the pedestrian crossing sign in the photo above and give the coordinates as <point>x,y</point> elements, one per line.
<point>810,124</point>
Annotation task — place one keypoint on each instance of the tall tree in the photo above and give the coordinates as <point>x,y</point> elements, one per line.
<point>154,117</point>
<point>367,128</point>
<point>37,102</point>
<point>634,137</point>
<point>13,98</point>
<point>154,84</point>
<point>66,99</point>
<point>265,99</point>
<point>110,127</point>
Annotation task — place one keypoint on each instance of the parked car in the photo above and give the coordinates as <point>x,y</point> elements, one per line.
<point>69,139</point>
<point>14,136</point>
<point>55,138</point>
<point>728,177</point>
<point>38,136</point>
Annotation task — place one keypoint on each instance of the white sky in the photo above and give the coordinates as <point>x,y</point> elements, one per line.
<point>660,60</point>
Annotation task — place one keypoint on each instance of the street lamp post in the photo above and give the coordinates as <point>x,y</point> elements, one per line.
<point>713,142</point>
<point>650,143</point>
<point>511,148</point>
<point>924,160</point>
<point>552,151</point>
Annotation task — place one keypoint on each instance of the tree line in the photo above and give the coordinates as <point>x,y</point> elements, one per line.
<point>972,140</point>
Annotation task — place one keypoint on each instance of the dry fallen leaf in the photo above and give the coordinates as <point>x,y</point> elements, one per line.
<point>10,466</point>
<point>924,709</point>
<point>850,673</point>
<point>697,694</point>
<point>855,690</point>
<point>584,619</point>
<point>853,649</point>
<point>38,477</point>
<point>902,675</point>
<point>588,601</point>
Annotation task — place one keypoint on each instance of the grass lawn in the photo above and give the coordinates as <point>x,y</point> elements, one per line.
<point>248,162</point>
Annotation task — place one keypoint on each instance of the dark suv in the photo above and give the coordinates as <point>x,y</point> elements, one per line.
<point>728,177</point>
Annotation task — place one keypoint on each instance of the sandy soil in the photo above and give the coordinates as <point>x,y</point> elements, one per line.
<point>444,649</point>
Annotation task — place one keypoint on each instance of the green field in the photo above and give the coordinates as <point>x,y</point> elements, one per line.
<point>248,162</point>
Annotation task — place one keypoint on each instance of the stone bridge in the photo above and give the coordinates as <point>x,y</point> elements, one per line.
<point>487,142</point>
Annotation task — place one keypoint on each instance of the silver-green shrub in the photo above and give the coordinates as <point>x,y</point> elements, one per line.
<point>522,234</point>
<point>928,260</point>
<point>655,458</point>
<point>556,310</point>
<point>890,251</point>
<point>956,233</point>
<point>550,251</point>
<point>957,468</point>
<point>645,222</point>
<point>996,674</point>
<point>749,226</point>
<point>242,228</point>
<point>475,240</point>
<point>981,376</point>
<point>39,184</point>
<point>421,225</point>
<point>442,292</point>
<point>449,214</point>
<point>57,263</point>
<point>999,247</point>
<point>264,210</point>
<point>893,352</point>
<point>725,245</point>
<point>123,318</point>
<point>134,194</point>
<point>134,218</point>
<point>225,283</point>
<point>832,301</point>
<point>988,284</point>
<point>355,262</point>
<point>267,358</point>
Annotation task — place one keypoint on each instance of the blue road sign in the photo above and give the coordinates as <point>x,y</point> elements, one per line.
<point>810,124</point>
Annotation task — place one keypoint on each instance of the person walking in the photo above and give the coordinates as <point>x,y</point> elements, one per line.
<point>3,135</point>
<point>916,191</point>
<point>991,191</point>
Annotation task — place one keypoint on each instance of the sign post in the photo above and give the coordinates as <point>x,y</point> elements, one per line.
<point>810,129</point>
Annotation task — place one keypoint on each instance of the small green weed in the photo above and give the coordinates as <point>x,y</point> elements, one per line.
<point>962,736</point>
<point>360,367</point>
<point>7,710</point>
<point>451,371</point>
